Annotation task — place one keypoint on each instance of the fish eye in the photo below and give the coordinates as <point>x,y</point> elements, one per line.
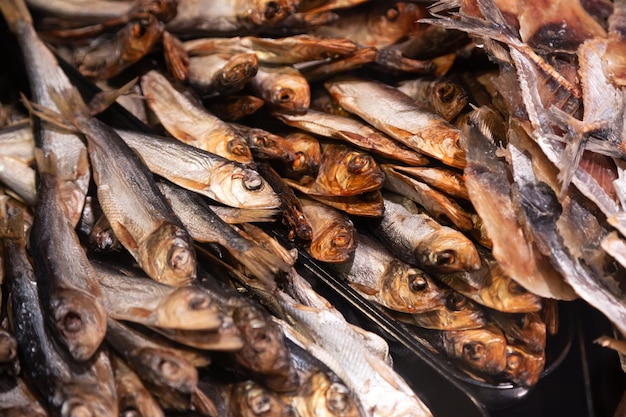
<point>179,257</point>
<point>445,93</point>
<point>337,398</point>
<point>259,402</point>
<point>199,302</point>
<point>445,257</point>
<point>392,14</point>
<point>77,410</point>
<point>284,95</point>
<point>513,361</point>
<point>473,350</point>
<point>299,162</point>
<point>341,240</point>
<point>140,28</point>
<point>272,10</point>
<point>417,282</point>
<point>252,181</point>
<point>237,147</point>
<point>455,301</point>
<point>516,288</point>
<point>260,141</point>
<point>359,163</point>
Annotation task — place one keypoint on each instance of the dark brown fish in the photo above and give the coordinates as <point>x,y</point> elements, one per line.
<point>439,95</point>
<point>483,350</point>
<point>133,397</point>
<point>234,106</point>
<point>333,237</point>
<point>524,367</point>
<point>176,58</point>
<point>221,74</point>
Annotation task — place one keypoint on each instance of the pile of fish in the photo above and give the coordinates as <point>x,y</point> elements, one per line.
<point>458,163</point>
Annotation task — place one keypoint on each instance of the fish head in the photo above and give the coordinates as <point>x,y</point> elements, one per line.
<point>335,242</point>
<point>409,289</point>
<point>290,94</point>
<point>523,366</point>
<point>320,395</point>
<point>169,255</point>
<point>399,19</point>
<point>447,139</point>
<point>265,350</point>
<point>448,98</point>
<point>168,367</point>
<point>241,187</point>
<point>249,399</point>
<point>188,308</point>
<point>509,295</point>
<point>483,349</point>
<point>239,70</point>
<point>307,153</point>
<point>139,36</point>
<point>447,251</point>
<point>455,313</point>
<point>82,402</point>
<point>349,172</point>
<point>79,319</point>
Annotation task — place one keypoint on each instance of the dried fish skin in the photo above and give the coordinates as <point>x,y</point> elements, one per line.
<point>214,176</point>
<point>333,236</point>
<point>418,239</point>
<point>132,395</point>
<point>380,277</point>
<point>283,88</point>
<point>221,74</point>
<point>441,96</point>
<point>482,350</point>
<point>189,122</point>
<point>396,114</point>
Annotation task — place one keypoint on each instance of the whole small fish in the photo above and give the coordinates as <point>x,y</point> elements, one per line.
<point>396,114</point>
<point>381,277</point>
<point>206,226</point>
<point>276,51</point>
<point>221,74</point>
<point>45,73</point>
<point>436,203</point>
<point>415,237</point>
<point>190,122</point>
<point>216,177</point>
<point>352,131</point>
<point>65,386</point>
<point>482,350</point>
<point>68,286</point>
<point>133,397</point>
<point>282,87</point>
<point>333,237</point>
<point>438,95</point>
<point>106,56</point>
<point>132,297</point>
<point>344,172</point>
<point>457,312</point>
<point>156,364</point>
<point>204,17</point>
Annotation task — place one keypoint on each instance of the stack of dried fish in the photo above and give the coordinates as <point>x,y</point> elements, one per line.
<point>462,206</point>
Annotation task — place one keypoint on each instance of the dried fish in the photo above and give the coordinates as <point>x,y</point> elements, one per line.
<point>282,87</point>
<point>481,350</point>
<point>221,74</point>
<point>132,395</point>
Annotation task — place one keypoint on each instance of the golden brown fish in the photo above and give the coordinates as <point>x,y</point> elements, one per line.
<point>234,106</point>
<point>482,350</point>
<point>368,204</point>
<point>221,74</point>
<point>282,87</point>
<point>438,95</point>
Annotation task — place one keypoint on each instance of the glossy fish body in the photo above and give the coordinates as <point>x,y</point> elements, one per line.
<point>352,131</point>
<point>439,95</point>
<point>134,298</point>
<point>283,88</point>
<point>418,239</point>
<point>221,74</point>
<point>396,114</point>
<point>66,386</point>
<point>216,177</point>
<point>67,284</point>
<point>44,74</point>
<point>333,237</point>
<point>381,277</point>
<point>191,123</point>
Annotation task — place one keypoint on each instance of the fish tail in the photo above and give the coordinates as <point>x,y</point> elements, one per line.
<point>104,99</point>
<point>15,13</point>
<point>47,114</point>
<point>262,263</point>
<point>11,220</point>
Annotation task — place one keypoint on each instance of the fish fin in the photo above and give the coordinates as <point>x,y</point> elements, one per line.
<point>14,12</point>
<point>383,369</point>
<point>104,99</point>
<point>46,162</point>
<point>11,220</point>
<point>443,5</point>
<point>233,215</point>
<point>47,114</point>
<point>203,403</point>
